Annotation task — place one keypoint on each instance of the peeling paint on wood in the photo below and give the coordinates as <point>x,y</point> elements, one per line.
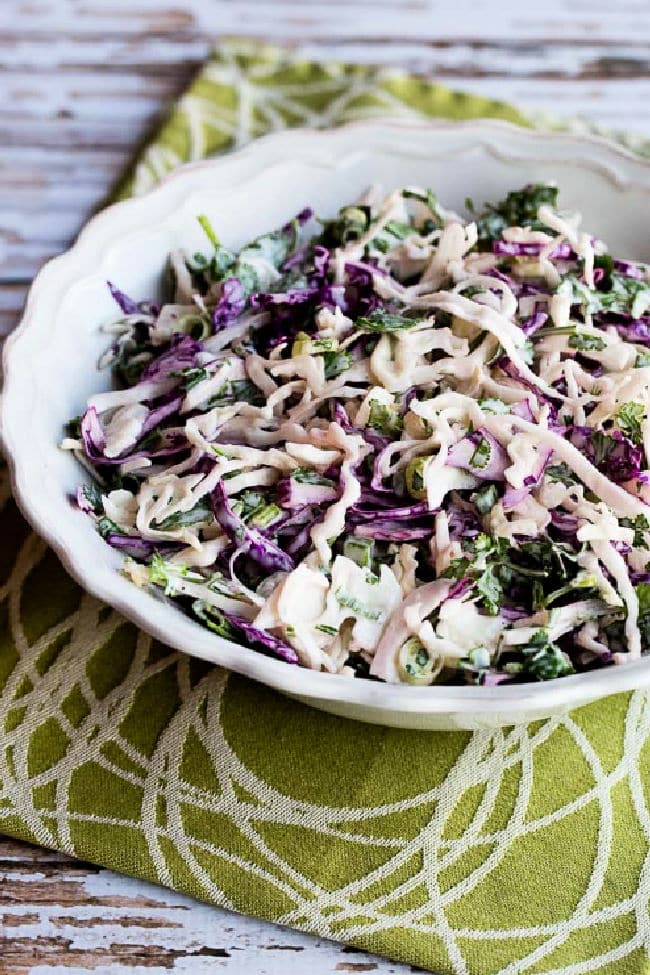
<point>81,82</point>
<point>59,915</point>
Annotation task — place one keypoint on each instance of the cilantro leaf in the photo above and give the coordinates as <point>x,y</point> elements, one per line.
<point>191,377</point>
<point>545,660</point>
<point>518,209</point>
<point>486,498</point>
<point>643,595</point>
<point>181,519</point>
<point>629,418</point>
<point>640,525</point>
<point>491,590</point>
<point>305,475</point>
<point>106,527</point>
<point>336,362</point>
<point>93,496</point>
<point>642,360</point>
<point>625,295</point>
<point>385,419</point>
<point>561,473</point>
<point>211,617</point>
<point>384,321</point>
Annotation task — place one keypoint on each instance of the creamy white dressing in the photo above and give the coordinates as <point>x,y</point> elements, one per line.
<point>124,428</point>
<point>459,363</point>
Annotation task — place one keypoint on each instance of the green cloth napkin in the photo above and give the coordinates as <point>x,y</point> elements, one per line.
<point>510,851</point>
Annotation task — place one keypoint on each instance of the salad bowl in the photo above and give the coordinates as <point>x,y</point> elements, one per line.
<point>50,362</point>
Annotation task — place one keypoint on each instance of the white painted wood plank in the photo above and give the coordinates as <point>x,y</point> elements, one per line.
<point>165,55</point>
<point>474,19</point>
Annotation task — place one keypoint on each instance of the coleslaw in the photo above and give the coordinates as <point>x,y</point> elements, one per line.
<point>397,444</point>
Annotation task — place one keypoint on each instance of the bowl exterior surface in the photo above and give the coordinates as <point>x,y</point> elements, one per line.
<point>50,361</point>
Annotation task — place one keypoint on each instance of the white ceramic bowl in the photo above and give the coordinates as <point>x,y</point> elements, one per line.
<point>50,361</point>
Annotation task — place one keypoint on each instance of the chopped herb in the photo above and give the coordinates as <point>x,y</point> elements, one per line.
<point>181,519</point>
<point>265,516</point>
<point>545,660</point>
<point>640,525</point>
<point>273,247</point>
<point>222,264</point>
<point>642,591</point>
<point>167,574</point>
<point>586,342</point>
<point>551,557</point>
<point>385,419</point>
<point>352,223</point>
<point>397,229</point>
<point>561,473</point>
<point>430,200</point>
<point>629,418</point>
<point>486,498</point>
<point>518,209</point>
<point>305,475</point>
<point>477,659</point>
<point>493,405</point>
<point>211,617</point>
<point>238,391</point>
<point>415,664</point>
<point>626,296</point>
<point>346,599</point>
<point>107,527</point>
<point>304,344</point>
<point>93,496</point>
<point>642,360</point>
<point>209,231</point>
<point>601,445</point>
<point>248,502</point>
<point>336,363</point>
<point>491,590</point>
<point>384,321</point>
<point>499,569</point>
<point>191,377</point>
<point>581,583</point>
<point>605,262</point>
<point>72,428</point>
<point>414,477</point>
<point>360,550</point>
<point>481,456</point>
<point>324,628</point>
<point>537,595</point>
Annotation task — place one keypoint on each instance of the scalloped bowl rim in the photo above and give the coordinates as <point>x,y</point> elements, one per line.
<point>168,623</point>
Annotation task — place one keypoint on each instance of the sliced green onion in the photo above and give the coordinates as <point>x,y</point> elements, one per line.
<point>265,516</point>
<point>414,663</point>
<point>345,598</point>
<point>360,550</point>
<point>304,344</point>
<point>414,477</point>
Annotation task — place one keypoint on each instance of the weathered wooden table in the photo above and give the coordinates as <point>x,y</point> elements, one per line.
<point>82,81</point>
